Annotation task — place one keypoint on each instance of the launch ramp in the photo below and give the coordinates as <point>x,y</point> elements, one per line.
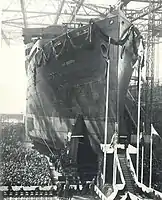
<point>131,185</point>
<point>126,173</point>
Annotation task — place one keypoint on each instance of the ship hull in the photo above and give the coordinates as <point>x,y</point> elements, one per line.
<point>67,78</point>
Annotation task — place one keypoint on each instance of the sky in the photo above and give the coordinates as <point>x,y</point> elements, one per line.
<point>13,77</point>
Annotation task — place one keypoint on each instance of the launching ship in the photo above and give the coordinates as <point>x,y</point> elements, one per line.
<point>70,71</point>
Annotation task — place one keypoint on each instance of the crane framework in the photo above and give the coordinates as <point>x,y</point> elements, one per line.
<point>18,14</point>
<point>145,14</point>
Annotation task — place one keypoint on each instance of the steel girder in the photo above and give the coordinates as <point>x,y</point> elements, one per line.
<point>146,1</point>
<point>144,11</point>
<point>90,10</point>
<point>23,13</point>
<point>59,11</point>
<point>5,38</point>
<point>76,9</point>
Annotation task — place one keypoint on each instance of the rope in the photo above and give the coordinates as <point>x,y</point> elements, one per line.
<point>92,27</point>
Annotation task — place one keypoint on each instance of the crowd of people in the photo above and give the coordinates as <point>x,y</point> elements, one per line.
<point>61,190</point>
<point>63,163</point>
<point>20,165</point>
<point>67,191</point>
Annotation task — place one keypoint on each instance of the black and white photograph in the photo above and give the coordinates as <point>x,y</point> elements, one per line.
<point>81,100</point>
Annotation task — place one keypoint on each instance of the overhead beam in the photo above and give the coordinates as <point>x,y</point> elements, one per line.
<point>76,9</point>
<point>143,12</point>
<point>27,11</point>
<point>156,20</point>
<point>5,38</point>
<point>95,8</point>
<point>102,11</point>
<point>146,1</point>
<point>92,8</point>
<point>32,23</point>
<point>133,11</point>
<point>157,30</point>
<point>44,15</point>
<point>20,18</point>
<point>54,13</point>
<point>59,11</point>
<point>23,13</point>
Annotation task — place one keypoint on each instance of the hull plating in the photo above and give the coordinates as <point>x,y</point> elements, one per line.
<point>67,77</point>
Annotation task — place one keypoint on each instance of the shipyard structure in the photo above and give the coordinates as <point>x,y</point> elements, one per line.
<point>78,96</point>
<point>89,103</point>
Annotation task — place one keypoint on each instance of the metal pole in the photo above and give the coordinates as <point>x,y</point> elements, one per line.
<point>150,180</point>
<point>114,167</point>
<point>23,13</point>
<point>138,119</point>
<point>142,160</point>
<point>75,14</point>
<point>157,60</point>
<point>142,164</point>
<point>106,118</point>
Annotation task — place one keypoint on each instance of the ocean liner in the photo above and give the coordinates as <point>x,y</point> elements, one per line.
<point>67,71</point>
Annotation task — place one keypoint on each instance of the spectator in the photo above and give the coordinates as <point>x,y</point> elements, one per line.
<point>91,186</point>
<point>126,144</point>
<point>21,166</point>
<point>71,192</point>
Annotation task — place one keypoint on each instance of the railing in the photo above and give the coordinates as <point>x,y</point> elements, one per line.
<point>116,188</point>
<point>131,166</point>
<point>72,25</point>
<point>120,186</point>
<point>103,197</point>
<point>140,185</point>
<point>99,193</point>
<point>30,198</point>
<point>28,188</point>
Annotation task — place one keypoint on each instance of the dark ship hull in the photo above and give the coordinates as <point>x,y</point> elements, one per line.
<point>67,82</point>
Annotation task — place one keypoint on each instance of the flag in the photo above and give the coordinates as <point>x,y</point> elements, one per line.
<point>153,131</point>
